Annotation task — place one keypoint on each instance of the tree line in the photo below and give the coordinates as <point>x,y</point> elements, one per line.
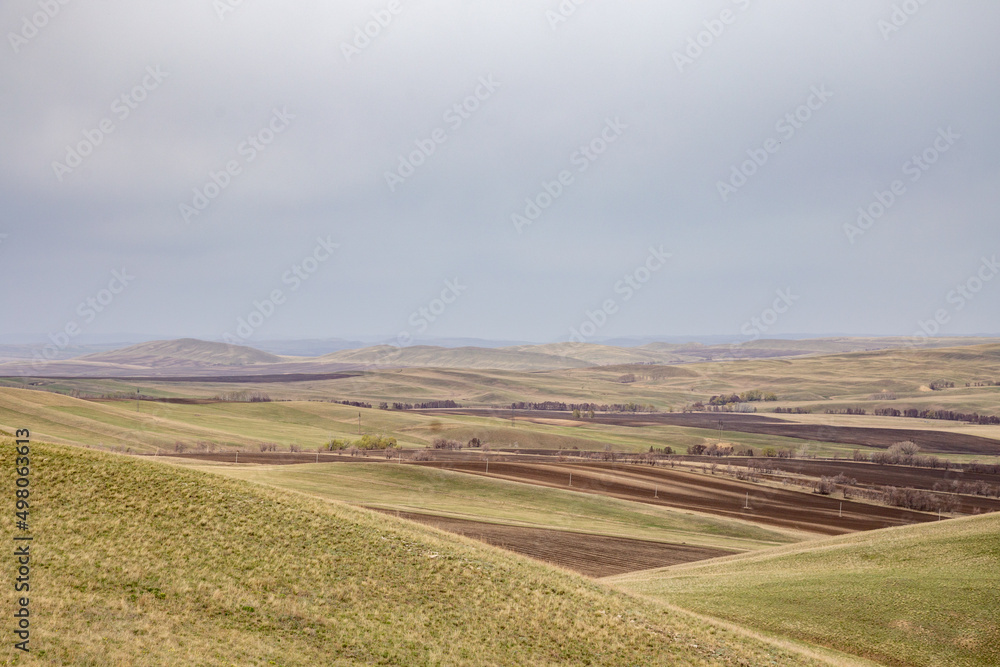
<point>950,415</point>
<point>583,407</point>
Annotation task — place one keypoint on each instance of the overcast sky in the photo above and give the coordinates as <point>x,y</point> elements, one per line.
<point>202,151</point>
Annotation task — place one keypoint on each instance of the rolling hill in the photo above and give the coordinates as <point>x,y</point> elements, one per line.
<point>147,563</point>
<point>195,357</point>
<point>454,357</point>
<point>183,352</point>
<point>915,595</point>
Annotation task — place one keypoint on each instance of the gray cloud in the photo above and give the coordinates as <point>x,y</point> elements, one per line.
<point>658,184</point>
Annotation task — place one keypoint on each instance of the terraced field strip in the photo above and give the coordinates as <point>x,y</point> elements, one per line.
<point>942,442</point>
<point>877,476</point>
<point>704,493</point>
<point>592,555</point>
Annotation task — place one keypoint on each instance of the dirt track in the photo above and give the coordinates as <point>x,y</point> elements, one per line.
<point>592,555</point>
<point>713,494</point>
<point>929,441</point>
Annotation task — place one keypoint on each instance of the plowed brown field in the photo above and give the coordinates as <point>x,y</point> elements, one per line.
<point>712,494</point>
<point>592,555</point>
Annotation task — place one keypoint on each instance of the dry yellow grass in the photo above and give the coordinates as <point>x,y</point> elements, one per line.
<point>138,562</point>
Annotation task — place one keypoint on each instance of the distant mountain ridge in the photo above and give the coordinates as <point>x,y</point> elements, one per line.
<point>187,356</point>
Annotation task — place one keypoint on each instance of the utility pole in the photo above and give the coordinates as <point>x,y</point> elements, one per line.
<point>359,423</point>
<point>841,509</point>
<point>746,506</point>
<point>571,479</point>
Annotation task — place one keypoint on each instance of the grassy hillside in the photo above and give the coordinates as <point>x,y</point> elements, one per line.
<point>918,595</point>
<point>162,353</point>
<point>144,563</point>
<point>455,494</point>
<point>145,426</point>
<point>524,359</point>
<point>818,382</point>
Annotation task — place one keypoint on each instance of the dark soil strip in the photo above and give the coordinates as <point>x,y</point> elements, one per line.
<point>592,555</point>
<point>929,441</point>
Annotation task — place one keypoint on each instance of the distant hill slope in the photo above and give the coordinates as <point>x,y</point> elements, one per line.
<point>141,562</point>
<point>184,351</point>
<point>190,356</point>
<point>458,357</point>
<point>917,595</point>
<point>591,354</point>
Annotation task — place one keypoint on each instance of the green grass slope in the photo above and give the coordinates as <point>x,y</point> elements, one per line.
<point>917,595</point>
<point>455,494</point>
<point>138,562</point>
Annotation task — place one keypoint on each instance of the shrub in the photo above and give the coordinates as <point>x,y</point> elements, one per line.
<point>369,442</point>
<point>825,486</point>
<point>245,396</point>
<point>914,499</point>
<point>443,443</point>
